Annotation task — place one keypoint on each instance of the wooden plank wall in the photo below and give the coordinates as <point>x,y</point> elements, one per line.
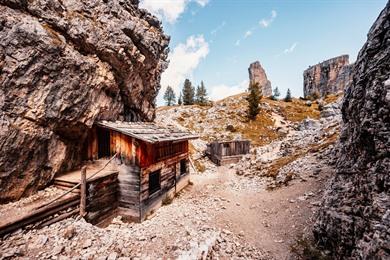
<point>149,154</point>
<point>119,143</point>
<point>228,148</point>
<point>170,174</point>
<point>91,146</point>
<point>129,190</point>
<point>102,197</point>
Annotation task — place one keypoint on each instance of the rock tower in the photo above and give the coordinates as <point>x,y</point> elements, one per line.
<point>328,77</point>
<point>257,75</point>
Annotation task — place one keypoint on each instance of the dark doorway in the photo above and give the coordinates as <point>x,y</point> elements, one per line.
<point>103,136</point>
<point>183,167</point>
<point>154,182</point>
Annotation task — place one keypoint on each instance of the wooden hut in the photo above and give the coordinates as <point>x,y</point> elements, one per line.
<point>226,152</point>
<point>153,162</point>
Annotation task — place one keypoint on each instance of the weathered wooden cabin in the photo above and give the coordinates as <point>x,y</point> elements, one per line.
<point>153,162</point>
<point>226,152</point>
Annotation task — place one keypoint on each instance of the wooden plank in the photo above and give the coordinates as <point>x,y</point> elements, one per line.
<point>58,218</point>
<point>94,144</point>
<point>83,191</point>
<point>38,215</point>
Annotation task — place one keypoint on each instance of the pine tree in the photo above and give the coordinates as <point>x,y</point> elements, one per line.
<point>201,95</point>
<point>169,96</point>
<point>253,99</point>
<point>188,93</point>
<point>180,100</point>
<point>276,94</point>
<point>288,97</point>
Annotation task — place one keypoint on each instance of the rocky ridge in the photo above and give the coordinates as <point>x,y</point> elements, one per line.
<point>64,65</point>
<point>257,75</point>
<point>328,77</point>
<point>354,220</point>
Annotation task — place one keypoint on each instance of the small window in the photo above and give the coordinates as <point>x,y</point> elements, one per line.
<point>183,166</point>
<point>154,182</point>
<point>226,145</point>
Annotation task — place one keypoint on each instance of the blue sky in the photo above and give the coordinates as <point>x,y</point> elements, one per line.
<point>216,40</point>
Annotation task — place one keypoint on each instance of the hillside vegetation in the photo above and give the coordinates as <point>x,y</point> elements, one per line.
<point>226,119</point>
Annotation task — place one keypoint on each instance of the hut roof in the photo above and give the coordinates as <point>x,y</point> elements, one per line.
<point>148,132</point>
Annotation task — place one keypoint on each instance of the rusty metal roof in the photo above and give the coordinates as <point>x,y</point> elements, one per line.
<point>148,132</point>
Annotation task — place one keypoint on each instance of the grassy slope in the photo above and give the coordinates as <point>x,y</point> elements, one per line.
<point>231,110</point>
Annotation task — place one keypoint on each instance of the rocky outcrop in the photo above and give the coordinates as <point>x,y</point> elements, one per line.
<point>354,221</point>
<point>64,65</point>
<point>327,77</point>
<point>257,75</point>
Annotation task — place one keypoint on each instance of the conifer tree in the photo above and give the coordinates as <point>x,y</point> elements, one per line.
<point>201,95</point>
<point>180,100</point>
<point>288,97</point>
<point>276,93</point>
<point>188,93</point>
<point>253,99</point>
<point>169,96</point>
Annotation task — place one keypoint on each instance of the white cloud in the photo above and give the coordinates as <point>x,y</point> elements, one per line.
<point>221,91</point>
<point>202,2</point>
<point>184,59</point>
<point>291,49</point>
<point>218,28</point>
<point>247,34</point>
<point>169,10</point>
<point>288,50</point>
<point>265,22</point>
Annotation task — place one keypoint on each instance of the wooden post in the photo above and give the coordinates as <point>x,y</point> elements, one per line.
<point>83,191</point>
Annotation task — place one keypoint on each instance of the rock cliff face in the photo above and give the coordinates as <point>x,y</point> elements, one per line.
<point>327,77</point>
<point>63,65</point>
<point>355,217</point>
<point>257,75</point>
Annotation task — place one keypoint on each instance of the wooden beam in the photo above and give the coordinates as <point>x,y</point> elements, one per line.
<point>83,191</point>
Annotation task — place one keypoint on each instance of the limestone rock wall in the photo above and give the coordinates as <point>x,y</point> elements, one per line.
<point>330,76</point>
<point>354,221</point>
<point>63,65</point>
<point>257,75</point>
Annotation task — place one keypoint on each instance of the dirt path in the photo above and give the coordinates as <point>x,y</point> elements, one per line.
<point>270,220</point>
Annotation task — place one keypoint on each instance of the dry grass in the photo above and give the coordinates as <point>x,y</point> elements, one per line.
<point>295,111</point>
<point>200,167</point>
<point>331,98</point>
<point>329,140</point>
<point>259,131</point>
<point>191,148</point>
<point>273,170</point>
<point>230,97</point>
